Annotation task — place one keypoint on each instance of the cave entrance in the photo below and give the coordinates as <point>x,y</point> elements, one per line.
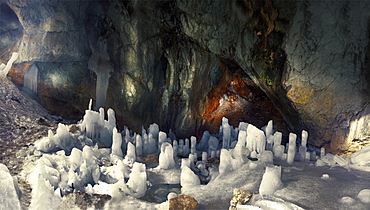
<point>239,99</point>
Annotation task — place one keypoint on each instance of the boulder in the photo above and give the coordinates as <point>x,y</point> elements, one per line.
<point>183,202</point>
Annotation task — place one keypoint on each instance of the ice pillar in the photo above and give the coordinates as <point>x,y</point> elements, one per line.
<point>99,63</point>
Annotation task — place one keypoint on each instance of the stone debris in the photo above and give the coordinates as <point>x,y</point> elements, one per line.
<point>240,197</point>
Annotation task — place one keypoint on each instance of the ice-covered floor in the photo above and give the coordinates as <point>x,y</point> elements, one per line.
<point>93,157</point>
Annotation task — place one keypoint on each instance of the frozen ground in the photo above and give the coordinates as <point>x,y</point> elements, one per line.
<point>78,158</point>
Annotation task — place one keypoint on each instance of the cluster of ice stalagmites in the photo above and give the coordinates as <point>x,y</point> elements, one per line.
<point>98,158</point>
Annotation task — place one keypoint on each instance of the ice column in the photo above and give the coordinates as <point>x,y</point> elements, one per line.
<point>162,137</point>
<point>166,160</point>
<point>240,145</point>
<point>278,149</point>
<point>139,145</point>
<point>269,128</point>
<point>185,149</point>
<point>212,146</point>
<point>303,147</point>
<point>193,144</point>
<point>291,148</point>
<point>226,130</point>
<point>203,144</point>
<point>30,78</point>
<point>99,63</point>
<point>322,152</point>
<point>130,156</point>
<point>117,143</point>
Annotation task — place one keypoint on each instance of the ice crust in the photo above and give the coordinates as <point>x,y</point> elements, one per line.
<point>98,158</point>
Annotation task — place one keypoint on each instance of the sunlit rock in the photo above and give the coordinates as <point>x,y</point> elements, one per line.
<point>240,197</point>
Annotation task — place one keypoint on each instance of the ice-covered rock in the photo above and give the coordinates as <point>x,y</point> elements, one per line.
<point>8,190</point>
<point>271,180</point>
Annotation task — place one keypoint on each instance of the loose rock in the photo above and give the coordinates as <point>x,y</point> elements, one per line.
<point>240,197</point>
<point>183,202</point>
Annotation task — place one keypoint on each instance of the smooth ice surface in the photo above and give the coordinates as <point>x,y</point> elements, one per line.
<point>8,190</point>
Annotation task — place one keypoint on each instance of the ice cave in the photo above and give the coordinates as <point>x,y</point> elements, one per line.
<point>184,104</point>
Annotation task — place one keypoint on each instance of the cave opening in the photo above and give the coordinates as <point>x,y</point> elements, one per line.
<point>238,98</point>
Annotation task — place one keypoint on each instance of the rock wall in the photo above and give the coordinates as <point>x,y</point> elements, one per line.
<point>310,58</point>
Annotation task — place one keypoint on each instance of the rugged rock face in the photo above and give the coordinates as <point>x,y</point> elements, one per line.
<point>169,58</point>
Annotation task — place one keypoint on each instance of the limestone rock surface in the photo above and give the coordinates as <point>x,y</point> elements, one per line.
<point>311,58</point>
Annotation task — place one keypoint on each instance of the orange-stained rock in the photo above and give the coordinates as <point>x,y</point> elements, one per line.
<point>183,202</point>
<point>17,72</point>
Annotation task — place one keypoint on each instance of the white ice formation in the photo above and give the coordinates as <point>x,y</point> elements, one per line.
<point>9,190</point>
<point>98,158</point>
<point>31,78</point>
<point>99,63</point>
<point>4,69</point>
<point>271,180</point>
